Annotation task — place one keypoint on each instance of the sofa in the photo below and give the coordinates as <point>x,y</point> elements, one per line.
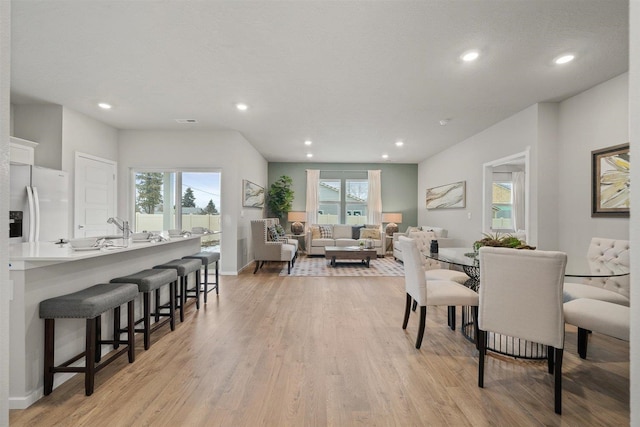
<point>439,234</point>
<point>344,235</point>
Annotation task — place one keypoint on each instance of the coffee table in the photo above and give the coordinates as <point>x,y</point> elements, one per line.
<point>349,252</point>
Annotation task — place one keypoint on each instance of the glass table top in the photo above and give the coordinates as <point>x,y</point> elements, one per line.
<point>576,266</point>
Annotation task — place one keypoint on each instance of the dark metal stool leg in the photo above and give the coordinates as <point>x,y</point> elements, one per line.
<point>49,336</point>
<point>206,282</point>
<point>90,351</point>
<point>131,338</point>
<point>146,300</point>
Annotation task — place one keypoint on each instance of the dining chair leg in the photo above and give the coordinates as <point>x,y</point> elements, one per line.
<point>415,305</point>
<point>451,317</point>
<point>583,341</point>
<point>558,380</point>
<point>550,359</point>
<point>407,311</point>
<point>482,340</point>
<point>474,313</point>
<point>423,318</point>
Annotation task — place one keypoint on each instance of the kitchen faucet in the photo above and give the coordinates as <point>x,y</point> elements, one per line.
<point>122,226</point>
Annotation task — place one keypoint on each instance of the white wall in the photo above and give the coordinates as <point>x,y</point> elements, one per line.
<point>41,124</point>
<point>86,135</point>
<point>634,137</point>
<point>463,162</point>
<point>5,125</point>
<point>226,151</point>
<point>594,119</point>
<point>561,137</point>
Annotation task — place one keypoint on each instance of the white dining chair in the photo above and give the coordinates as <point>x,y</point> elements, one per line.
<point>429,292</point>
<point>610,289</point>
<point>521,296</point>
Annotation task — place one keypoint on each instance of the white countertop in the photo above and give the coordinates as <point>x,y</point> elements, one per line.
<point>46,253</point>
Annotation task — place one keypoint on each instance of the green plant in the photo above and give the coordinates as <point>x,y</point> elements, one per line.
<point>503,241</point>
<point>280,196</point>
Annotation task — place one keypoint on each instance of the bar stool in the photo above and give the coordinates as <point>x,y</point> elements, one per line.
<point>88,304</point>
<point>148,281</point>
<point>183,268</point>
<point>207,258</point>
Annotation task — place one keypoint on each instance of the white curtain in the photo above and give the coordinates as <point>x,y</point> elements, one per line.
<point>374,201</point>
<point>313,181</point>
<point>517,178</point>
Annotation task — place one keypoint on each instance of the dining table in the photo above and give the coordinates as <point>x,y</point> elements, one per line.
<point>468,260</point>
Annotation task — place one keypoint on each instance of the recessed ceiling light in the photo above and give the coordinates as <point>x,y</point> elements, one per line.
<point>309,155</point>
<point>399,143</point>
<point>444,122</point>
<point>470,55</point>
<point>308,142</point>
<point>385,156</point>
<point>563,59</point>
<point>104,106</point>
<point>242,107</point>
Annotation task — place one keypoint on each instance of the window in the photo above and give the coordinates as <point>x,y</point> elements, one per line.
<point>343,201</point>
<point>502,206</point>
<point>158,206</point>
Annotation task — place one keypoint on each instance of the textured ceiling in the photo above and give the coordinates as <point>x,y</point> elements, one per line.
<point>352,76</point>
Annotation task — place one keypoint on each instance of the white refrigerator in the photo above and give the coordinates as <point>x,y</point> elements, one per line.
<point>42,195</point>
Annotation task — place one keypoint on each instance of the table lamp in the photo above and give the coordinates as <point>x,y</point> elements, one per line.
<point>297,218</point>
<point>391,219</point>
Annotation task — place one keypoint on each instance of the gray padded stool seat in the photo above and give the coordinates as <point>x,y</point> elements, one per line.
<point>183,268</point>
<point>207,258</point>
<point>148,281</point>
<point>88,304</point>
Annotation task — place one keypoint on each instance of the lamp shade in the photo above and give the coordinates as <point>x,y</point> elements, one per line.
<point>297,217</point>
<point>392,217</point>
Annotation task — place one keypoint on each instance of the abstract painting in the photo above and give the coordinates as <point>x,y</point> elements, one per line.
<point>610,181</point>
<point>252,195</point>
<point>446,196</point>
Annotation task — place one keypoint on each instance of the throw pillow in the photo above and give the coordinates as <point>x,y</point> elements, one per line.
<point>315,232</point>
<point>280,230</point>
<point>355,231</point>
<point>410,229</point>
<point>370,233</point>
<point>326,232</point>
<point>272,233</point>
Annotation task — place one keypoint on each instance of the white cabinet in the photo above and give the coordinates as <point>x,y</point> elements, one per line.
<point>21,150</point>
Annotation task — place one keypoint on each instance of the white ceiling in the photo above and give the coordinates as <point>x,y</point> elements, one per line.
<point>352,76</point>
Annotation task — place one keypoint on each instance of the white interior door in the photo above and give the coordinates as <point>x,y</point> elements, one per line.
<point>95,195</point>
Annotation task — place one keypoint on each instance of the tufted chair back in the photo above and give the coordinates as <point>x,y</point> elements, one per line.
<point>613,251</point>
<point>423,241</point>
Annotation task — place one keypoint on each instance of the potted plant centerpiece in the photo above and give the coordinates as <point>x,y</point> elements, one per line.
<point>502,241</point>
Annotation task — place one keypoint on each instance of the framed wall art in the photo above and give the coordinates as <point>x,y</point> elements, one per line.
<point>446,196</point>
<point>610,182</point>
<point>252,195</point>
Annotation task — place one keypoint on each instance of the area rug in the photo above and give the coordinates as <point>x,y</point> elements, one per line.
<point>320,266</point>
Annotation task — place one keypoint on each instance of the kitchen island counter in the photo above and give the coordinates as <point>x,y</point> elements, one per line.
<point>43,270</point>
<point>24,256</point>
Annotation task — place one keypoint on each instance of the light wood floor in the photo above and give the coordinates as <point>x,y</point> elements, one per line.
<point>294,351</point>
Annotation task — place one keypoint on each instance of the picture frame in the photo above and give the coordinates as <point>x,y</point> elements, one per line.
<point>252,195</point>
<point>610,181</point>
<point>447,196</point>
